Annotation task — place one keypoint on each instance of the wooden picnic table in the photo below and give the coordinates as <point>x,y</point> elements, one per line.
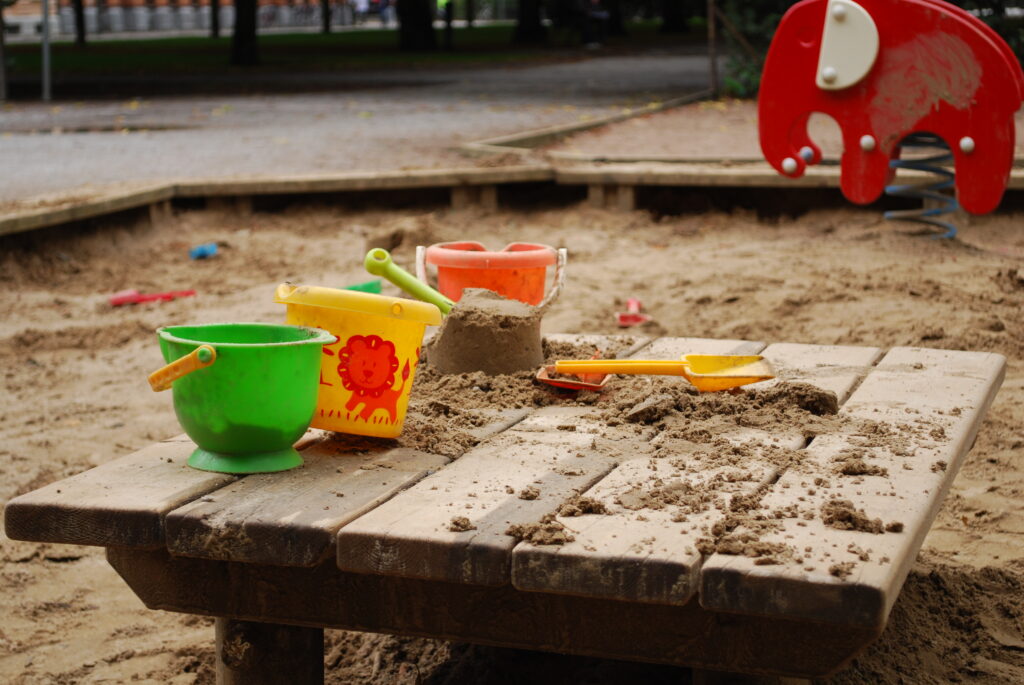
<point>361,537</point>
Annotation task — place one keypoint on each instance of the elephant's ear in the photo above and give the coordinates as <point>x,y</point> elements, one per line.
<point>849,45</point>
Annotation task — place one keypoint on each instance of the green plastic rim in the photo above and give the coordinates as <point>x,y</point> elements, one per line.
<point>244,335</point>
<point>253,462</point>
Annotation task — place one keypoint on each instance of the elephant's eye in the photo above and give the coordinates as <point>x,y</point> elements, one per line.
<point>807,36</point>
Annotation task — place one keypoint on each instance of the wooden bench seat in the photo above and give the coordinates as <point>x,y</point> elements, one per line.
<point>376,535</point>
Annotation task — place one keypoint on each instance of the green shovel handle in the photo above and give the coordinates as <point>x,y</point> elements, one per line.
<point>378,262</point>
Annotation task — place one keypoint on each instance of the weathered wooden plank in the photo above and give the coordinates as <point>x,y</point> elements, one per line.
<point>758,175</point>
<point>291,518</point>
<point>502,616</point>
<point>452,525</point>
<point>735,174</point>
<point>492,421</point>
<point>838,368</point>
<point>607,556</point>
<point>77,210</point>
<point>932,403</point>
<point>674,348</point>
<point>645,554</point>
<point>413,534</point>
<point>570,419</point>
<point>419,534</point>
<point>120,503</point>
<point>361,180</point>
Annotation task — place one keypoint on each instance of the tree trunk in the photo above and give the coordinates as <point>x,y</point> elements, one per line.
<point>470,13</point>
<point>325,16</point>
<point>244,49</point>
<point>214,18</point>
<point>674,14</point>
<point>616,26</point>
<point>79,8</point>
<point>3,59</point>
<point>529,30</point>
<point>449,15</point>
<point>416,25</point>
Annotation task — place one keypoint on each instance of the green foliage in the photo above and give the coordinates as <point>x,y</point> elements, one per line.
<point>994,13</point>
<point>756,21</point>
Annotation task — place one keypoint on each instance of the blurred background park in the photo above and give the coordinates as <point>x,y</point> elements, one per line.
<point>85,40</point>
<point>320,85</point>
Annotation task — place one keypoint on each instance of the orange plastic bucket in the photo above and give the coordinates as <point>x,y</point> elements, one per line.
<point>518,271</point>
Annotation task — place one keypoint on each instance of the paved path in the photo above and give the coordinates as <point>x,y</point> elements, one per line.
<point>368,120</point>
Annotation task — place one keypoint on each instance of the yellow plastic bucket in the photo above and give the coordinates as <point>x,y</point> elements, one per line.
<point>366,376</point>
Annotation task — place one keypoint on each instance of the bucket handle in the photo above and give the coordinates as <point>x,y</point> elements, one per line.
<point>556,287</point>
<point>421,263</point>
<point>199,358</point>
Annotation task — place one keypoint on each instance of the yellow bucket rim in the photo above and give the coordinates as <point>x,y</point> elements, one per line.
<point>359,302</point>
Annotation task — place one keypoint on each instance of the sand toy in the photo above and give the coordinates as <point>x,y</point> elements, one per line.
<point>379,263</point>
<point>366,378</point>
<point>244,392</point>
<point>373,286</point>
<point>594,382</point>
<point>204,251</point>
<point>484,331</point>
<point>707,372</point>
<point>518,271</point>
<point>123,297</point>
<point>889,72</point>
<point>633,315</point>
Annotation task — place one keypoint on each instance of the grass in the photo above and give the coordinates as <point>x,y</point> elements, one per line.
<point>483,45</point>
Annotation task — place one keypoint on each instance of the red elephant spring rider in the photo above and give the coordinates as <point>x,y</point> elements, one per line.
<point>887,71</point>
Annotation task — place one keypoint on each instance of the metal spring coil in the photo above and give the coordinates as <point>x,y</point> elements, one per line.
<point>926,190</point>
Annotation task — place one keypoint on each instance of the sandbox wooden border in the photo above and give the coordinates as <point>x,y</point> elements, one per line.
<point>611,186</point>
<point>467,186</point>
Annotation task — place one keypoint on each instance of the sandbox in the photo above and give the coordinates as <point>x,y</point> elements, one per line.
<point>963,295</point>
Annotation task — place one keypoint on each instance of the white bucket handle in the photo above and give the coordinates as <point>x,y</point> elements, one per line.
<point>556,287</point>
<point>421,263</point>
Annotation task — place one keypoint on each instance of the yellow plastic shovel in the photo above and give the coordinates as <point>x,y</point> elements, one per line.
<point>707,372</point>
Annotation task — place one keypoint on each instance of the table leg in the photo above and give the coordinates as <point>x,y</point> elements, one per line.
<point>257,653</point>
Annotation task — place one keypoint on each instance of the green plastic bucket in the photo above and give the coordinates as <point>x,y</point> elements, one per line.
<point>249,396</point>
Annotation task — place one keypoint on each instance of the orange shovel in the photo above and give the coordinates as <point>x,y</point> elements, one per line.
<point>587,381</point>
<point>707,372</point>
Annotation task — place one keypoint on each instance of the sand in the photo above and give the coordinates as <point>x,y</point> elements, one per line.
<point>75,395</point>
<point>718,130</point>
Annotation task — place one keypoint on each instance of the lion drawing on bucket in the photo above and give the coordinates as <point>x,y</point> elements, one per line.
<point>367,365</point>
